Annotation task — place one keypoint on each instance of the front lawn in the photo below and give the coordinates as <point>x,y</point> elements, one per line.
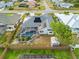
<point>11,54</point>
<point>76,51</point>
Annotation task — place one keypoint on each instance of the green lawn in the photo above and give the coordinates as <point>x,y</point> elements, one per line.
<point>1,50</point>
<point>59,54</point>
<point>76,51</point>
<point>2,39</point>
<point>9,14</point>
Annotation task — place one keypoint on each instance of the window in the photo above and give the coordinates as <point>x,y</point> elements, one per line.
<point>41,31</point>
<point>2,25</point>
<point>9,27</point>
<point>49,29</point>
<point>50,32</point>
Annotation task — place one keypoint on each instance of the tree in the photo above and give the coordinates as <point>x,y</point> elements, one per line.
<point>63,32</point>
<point>38,0</point>
<point>71,1</point>
<point>6,0</point>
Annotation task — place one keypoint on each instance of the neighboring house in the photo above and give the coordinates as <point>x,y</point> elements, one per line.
<point>29,3</point>
<point>7,22</point>
<point>2,4</point>
<point>64,5</point>
<point>7,4</point>
<point>36,25</point>
<point>71,20</point>
<point>55,0</point>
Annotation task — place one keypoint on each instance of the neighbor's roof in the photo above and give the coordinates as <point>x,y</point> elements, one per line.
<point>66,4</point>
<point>9,18</point>
<point>71,19</point>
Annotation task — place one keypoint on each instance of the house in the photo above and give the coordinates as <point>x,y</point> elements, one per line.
<point>64,5</point>
<point>71,20</point>
<point>32,3</point>
<point>36,25</point>
<point>8,21</point>
<point>2,4</point>
<point>8,4</point>
<point>28,3</point>
<point>55,0</point>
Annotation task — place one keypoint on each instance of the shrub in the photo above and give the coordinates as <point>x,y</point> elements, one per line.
<point>11,8</point>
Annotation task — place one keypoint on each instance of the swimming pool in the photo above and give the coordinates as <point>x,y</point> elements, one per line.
<point>29,34</point>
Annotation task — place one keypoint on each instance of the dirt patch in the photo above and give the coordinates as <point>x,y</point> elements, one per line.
<point>42,42</point>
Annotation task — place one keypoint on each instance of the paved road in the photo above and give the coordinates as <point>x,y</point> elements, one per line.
<point>47,10</point>
<point>43,11</point>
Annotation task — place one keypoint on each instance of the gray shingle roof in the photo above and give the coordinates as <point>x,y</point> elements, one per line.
<point>30,21</point>
<point>9,19</point>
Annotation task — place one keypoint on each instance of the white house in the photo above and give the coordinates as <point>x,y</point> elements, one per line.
<point>64,5</point>
<point>7,4</point>
<point>36,25</point>
<point>7,22</point>
<point>71,20</point>
<point>2,4</point>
